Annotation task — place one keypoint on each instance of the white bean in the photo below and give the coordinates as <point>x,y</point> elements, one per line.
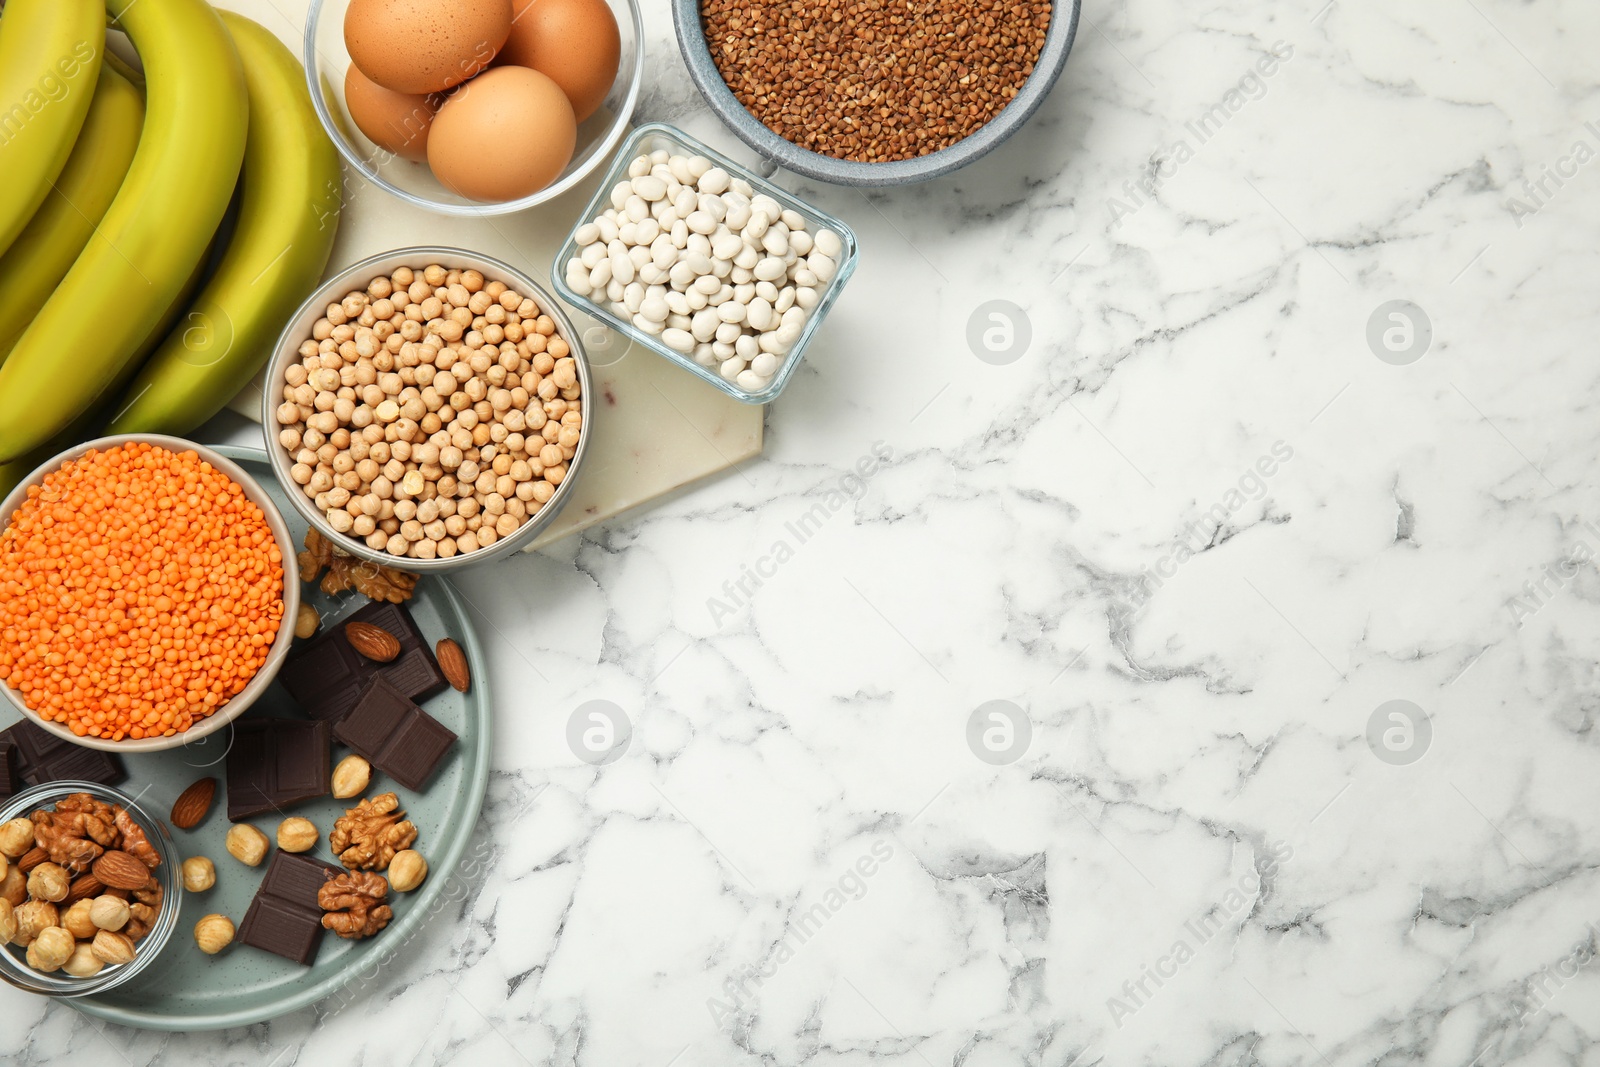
<point>730,311</point>
<point>678,340</point>
<point>730,368</point>
<point>704,324</point>
<point>807,297</point>
<point>709,284</point>
<point>747,347</point>
<point>785,302</point>
<point>726,245</point>
<point>828,243</point>
<point>758,313</point>
<point>750,381</point>
<point>770,269</point>
<point>654,308</point>
<point>622,268</point>
<point>587,234</point>
<point>728,332</point>
<point>793,219</point>
<point>821,265</point>
<point>716,180</point>
<point>738,216</point>
<point>766,364</point>
<point>640,165</point>
<point>705,355</point>
<point>608,228</point>
<point>800,242</point>
<point>648,325</point>
<point>592,255</point>
<point>650,187</point>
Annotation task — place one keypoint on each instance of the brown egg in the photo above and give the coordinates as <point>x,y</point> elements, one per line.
<point>505,134</point>
<point>395,122</point>
<point>424,46</point>
<point>575,42</point>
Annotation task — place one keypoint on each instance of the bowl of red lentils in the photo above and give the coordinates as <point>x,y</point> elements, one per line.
<point>874,94</point>
<point>144,602</point>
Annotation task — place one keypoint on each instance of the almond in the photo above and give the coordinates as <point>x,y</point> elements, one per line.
<point>83,887</point>
<point>453,662</point>
<point>193,804</point>
<point>31,859</point>
<point>122,870</point>
<point>373,642</point>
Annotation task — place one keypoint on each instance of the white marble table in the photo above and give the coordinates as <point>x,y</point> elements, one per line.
<point>1197,534</point>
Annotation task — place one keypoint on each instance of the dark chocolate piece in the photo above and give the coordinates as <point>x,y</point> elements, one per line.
<point>285,917</point>
<point>396,736</point>
<point>328,676</point>
<point>32,755</point>
<point>275,763</point>
<point>11,782</point>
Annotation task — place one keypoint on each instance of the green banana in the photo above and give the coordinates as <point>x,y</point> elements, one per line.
<point>287,222</point>
<point>50,53</point>
<point>66,221</point>
<point>90,423</point>
<point>155,231</point>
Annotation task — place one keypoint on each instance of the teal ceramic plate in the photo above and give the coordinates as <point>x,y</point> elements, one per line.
<point>187,990</point>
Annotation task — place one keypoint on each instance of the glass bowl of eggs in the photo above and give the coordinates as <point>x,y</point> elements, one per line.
<point>479,107</point>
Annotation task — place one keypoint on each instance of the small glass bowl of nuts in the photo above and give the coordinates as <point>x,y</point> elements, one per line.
<point>428,408</point>
<point>71,853</point>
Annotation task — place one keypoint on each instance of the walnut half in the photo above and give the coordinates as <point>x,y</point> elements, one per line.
<point>367,836</point>
<point>354,904</point>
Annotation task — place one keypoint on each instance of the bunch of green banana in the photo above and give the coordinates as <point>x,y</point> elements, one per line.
<point>97,286</point>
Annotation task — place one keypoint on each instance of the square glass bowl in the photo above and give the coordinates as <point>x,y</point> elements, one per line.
<point>646,139</point>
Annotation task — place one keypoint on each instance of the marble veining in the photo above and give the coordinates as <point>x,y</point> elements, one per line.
<point>1197,669</point>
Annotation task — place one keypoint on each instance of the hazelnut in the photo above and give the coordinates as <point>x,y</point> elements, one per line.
<point>213,933</point>
<point>297,835</point>
<point>111,947</point>
<point>77,922</point>
<point>306,621</point>
<point>199,874</point>
<point>49,881</point>
<point>50,949</point>
<point>14,887</point>
<point>407,870</point>
<point>83,963</point>
<point>351,777</point>
<point>8,921</point>
<point>16,837</point>
<point>109,913</point>
<point>247,844</point>
<point>33,916</point>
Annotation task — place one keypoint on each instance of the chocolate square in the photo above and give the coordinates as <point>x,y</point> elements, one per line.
<point>31,755</point>
<point>328,676</point>
<point>276,763</point>
<point>396,736</point>
<point>285,918</point>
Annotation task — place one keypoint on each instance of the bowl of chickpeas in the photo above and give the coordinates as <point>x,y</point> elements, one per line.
<point>428,409</point>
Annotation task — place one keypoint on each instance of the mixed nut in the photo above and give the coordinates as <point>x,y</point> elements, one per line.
<point>79,889</point>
